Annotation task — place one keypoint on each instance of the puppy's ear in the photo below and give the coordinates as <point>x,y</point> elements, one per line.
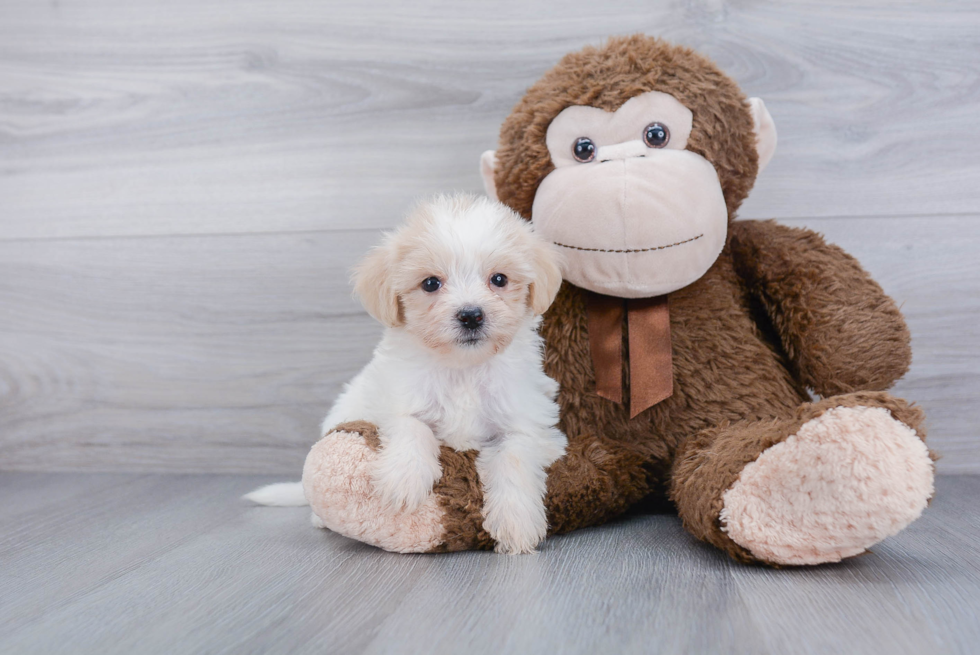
<point>373,284</point>
<point>547,276</point>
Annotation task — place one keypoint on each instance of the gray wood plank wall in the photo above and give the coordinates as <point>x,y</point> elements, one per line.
<point>184,185</point>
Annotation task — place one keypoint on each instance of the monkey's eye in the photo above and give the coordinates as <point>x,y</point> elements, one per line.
<point>656,135</point>
<point>431,284</point>
<point>498,280</point>
<point>583,150</point>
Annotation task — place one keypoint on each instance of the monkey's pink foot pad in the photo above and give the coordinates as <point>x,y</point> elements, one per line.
<point>845,481</point>
<point>337,484</point>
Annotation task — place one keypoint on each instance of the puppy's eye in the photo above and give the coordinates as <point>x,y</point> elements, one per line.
<point>498,280</point>
<point>583,149</point>
<point>656,135</point>
<point>431,284</point>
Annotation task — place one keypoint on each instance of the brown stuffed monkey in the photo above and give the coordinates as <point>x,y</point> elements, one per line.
<point>686,345</point>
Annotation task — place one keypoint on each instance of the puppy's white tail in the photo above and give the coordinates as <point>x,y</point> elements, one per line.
<point>281,494</point>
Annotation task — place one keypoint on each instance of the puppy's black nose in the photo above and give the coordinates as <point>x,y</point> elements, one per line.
<point>470,317</point>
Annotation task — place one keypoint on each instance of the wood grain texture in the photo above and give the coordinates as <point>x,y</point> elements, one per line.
<point>223,353</point>
<point>183,188</point>
<point>210,116</point>
<point>183,354</point>
<point>165,564</point>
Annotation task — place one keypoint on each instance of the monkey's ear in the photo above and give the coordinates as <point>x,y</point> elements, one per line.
<point>373,285</point>
<point>488,163</point>
<point>547,277</point>
<point>765,131</point>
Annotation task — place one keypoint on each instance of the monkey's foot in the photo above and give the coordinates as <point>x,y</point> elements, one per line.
<point>337,483</point>
<point>846,480</point>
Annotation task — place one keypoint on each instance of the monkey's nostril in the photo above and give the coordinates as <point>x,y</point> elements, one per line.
<point>470,317</point>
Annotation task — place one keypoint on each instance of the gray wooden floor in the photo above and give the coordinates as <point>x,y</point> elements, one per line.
<point>124,563</point>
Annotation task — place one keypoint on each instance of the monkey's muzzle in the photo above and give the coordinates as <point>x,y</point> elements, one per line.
<point>635,227</point>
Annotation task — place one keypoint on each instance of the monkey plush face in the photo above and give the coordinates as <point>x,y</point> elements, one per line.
<point>636,213</point>
<point>632,158</point>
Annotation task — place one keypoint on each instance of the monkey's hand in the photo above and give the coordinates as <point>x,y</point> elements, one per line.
<point>338,483</point>
<point>838,328</point>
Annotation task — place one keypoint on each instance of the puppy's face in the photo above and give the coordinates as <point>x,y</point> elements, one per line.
<point>462,276</point>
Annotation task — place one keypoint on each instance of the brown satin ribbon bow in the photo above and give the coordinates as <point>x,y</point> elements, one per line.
<point>651,375</point>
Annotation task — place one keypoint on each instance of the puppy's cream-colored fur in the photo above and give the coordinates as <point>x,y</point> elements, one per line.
<point>432,381</point>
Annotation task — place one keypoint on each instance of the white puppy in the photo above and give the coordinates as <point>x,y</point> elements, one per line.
<point>460,287</point>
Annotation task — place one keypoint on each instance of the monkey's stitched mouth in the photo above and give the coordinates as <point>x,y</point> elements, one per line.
<point>670,245</point>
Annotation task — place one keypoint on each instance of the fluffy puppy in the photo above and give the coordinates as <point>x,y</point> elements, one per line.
<point>460,288</point>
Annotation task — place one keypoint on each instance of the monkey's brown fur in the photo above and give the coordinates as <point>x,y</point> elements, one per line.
<point>779,312</point>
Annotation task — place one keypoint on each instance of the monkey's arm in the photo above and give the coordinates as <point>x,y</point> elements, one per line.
<point>596,480</point>
<point>838,328</point>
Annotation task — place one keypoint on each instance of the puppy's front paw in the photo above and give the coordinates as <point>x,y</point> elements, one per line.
<point>404,478</point>
<point>517,528</point>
